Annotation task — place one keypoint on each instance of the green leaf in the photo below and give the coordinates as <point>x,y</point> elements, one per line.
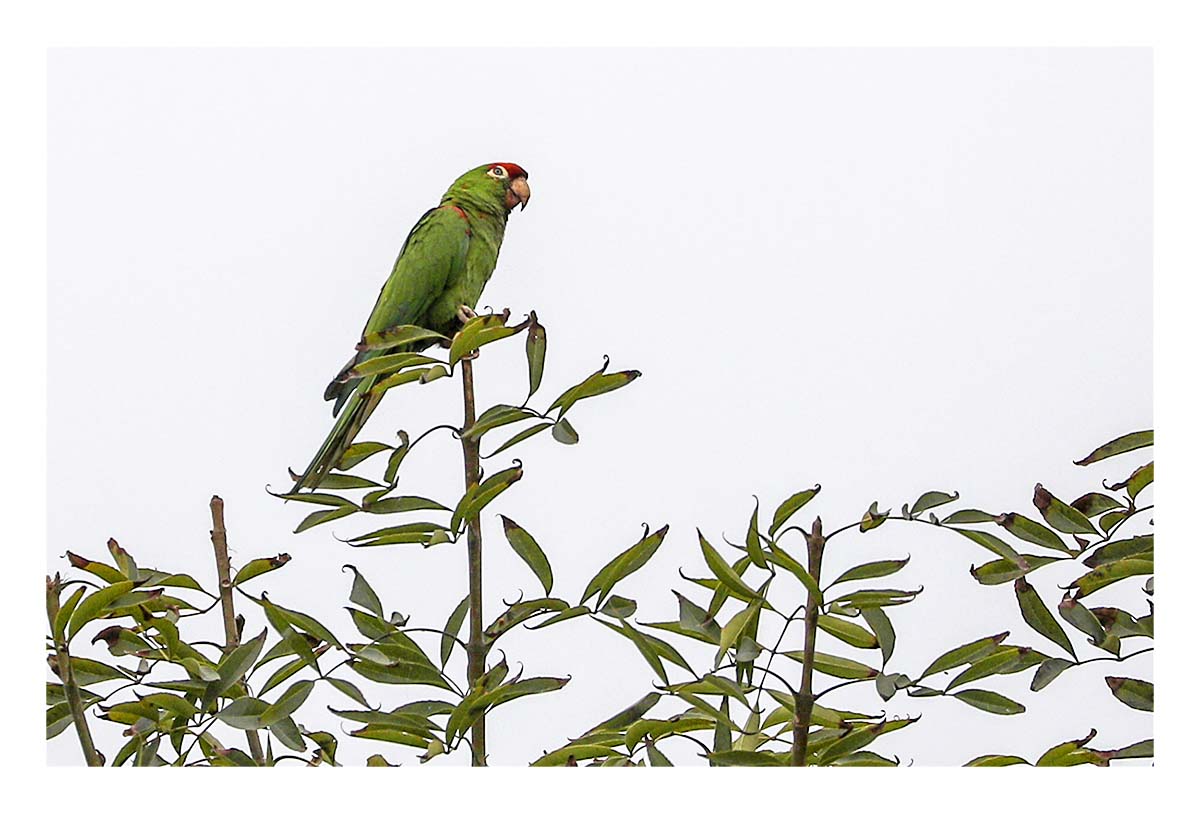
<point>1024,528</point>
<point>535,352</point>
<point>106,572</point>
<point>1138,481</point>
<point>1094,503</point>
<point>992,543</point>
<point>932,499</point>
<point>237,663</point>
<point>320,517</point>
<point>288,734</point>
<point>967,653</point>
<point>499,415</point>
<point>694,618</point>
<point>995,761</point>
<point>519,612</point>
<point>871,570</point>
<point>362,594</point>
<point>1037,615</point>
<point>619,607</point>
<point>753,540</point>
<point>244,713</point>
<point>477,497</point>
<point>879,623</point>
<point>398,505</point>
<point>385,365</point>
<point>999,571</point>
<point>1047,671</point>
<point>627,717</point>
<point>835,665</point>
<point>346,481</point>
<point>782,558</point>
<point>453,625</point>
<point>623,565</point>
<point>290,701</point>
<point>358,452</point>
<point>521,436</point>
<point>967,516</point>
<point>652,649</point>
<point>477,332</point>
<point>64,613</point>
<point>95,605</point>
<point>790,506</point>
<point>1082,619</point>
<point>847,631</point>
<point>872,519</point>
<point>564,433</point>
<point>749,759</point>
<point>529,551</point>
<point>58,719</point>
<point>396,336</point>
<point>347,688</point>
<point>726,574</point>
<point>1006,660</point>
<point>569,613</point>
<point>1059,515</point>
<point>989,701</point>
<point>861,599</point>
<point>1123,444</point>
<point>1111,573</point>
<point>257,567</point>
<point>1139,750</point>
<point>597,383</point>
<point>1133,548</point>
<point>1137,694</point>
<point>401,673</point>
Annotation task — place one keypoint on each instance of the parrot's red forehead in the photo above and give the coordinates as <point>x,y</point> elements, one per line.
<point>513,170</point>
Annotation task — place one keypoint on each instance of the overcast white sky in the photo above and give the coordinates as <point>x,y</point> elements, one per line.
<point>881,270</point>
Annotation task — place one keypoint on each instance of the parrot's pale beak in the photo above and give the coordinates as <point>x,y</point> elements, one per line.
<point>518,192</point>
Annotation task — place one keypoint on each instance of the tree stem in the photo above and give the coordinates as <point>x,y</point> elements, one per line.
<point>805,699</point>
<point>476,653</point>
<point>225,584</point>
<point>70,686</point>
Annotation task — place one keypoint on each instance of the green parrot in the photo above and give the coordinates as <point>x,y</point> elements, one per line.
<point>435,283</point>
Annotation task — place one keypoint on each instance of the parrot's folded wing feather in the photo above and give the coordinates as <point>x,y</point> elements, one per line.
<point>433,252</point>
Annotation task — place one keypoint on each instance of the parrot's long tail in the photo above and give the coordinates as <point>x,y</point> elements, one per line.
<point>358,407</point>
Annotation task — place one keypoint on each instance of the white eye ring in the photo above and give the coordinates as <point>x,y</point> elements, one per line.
<point>498,172</point>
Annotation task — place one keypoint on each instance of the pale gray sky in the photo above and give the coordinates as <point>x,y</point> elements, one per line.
<point>885,271</point>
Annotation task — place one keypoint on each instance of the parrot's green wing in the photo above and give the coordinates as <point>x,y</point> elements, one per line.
<point>434,253</point>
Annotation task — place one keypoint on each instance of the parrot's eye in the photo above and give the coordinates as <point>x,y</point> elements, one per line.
<point>498,172</point>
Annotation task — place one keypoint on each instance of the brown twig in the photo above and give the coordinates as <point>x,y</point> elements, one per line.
<point>225,584</point>
<point>67,675</point>
<point>805,699</point>
<point>476,651</point>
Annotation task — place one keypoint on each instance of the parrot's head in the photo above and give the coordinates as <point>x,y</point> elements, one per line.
<point>498,188</point>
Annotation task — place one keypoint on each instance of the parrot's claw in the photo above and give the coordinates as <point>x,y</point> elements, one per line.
<point>474,354</point>
<point>465,314</point>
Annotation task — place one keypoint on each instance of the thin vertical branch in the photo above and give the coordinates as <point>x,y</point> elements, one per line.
<point>67,674</point>
<point>225,583</point>
<point>476,654</point>
<point>805,699</point>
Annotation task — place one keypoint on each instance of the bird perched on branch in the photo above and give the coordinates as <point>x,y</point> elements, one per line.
<point>435,283</point>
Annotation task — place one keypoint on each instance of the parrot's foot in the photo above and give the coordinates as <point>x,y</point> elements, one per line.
<point>474,354</point>
<point>465,314</point>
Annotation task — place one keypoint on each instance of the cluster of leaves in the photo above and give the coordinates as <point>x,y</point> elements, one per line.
<point>759,645</point>
<point>751,701</point>
<point>400,368</point>
<point>1091,537</point>
<point>746,706</point>
<point>164,684</point>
